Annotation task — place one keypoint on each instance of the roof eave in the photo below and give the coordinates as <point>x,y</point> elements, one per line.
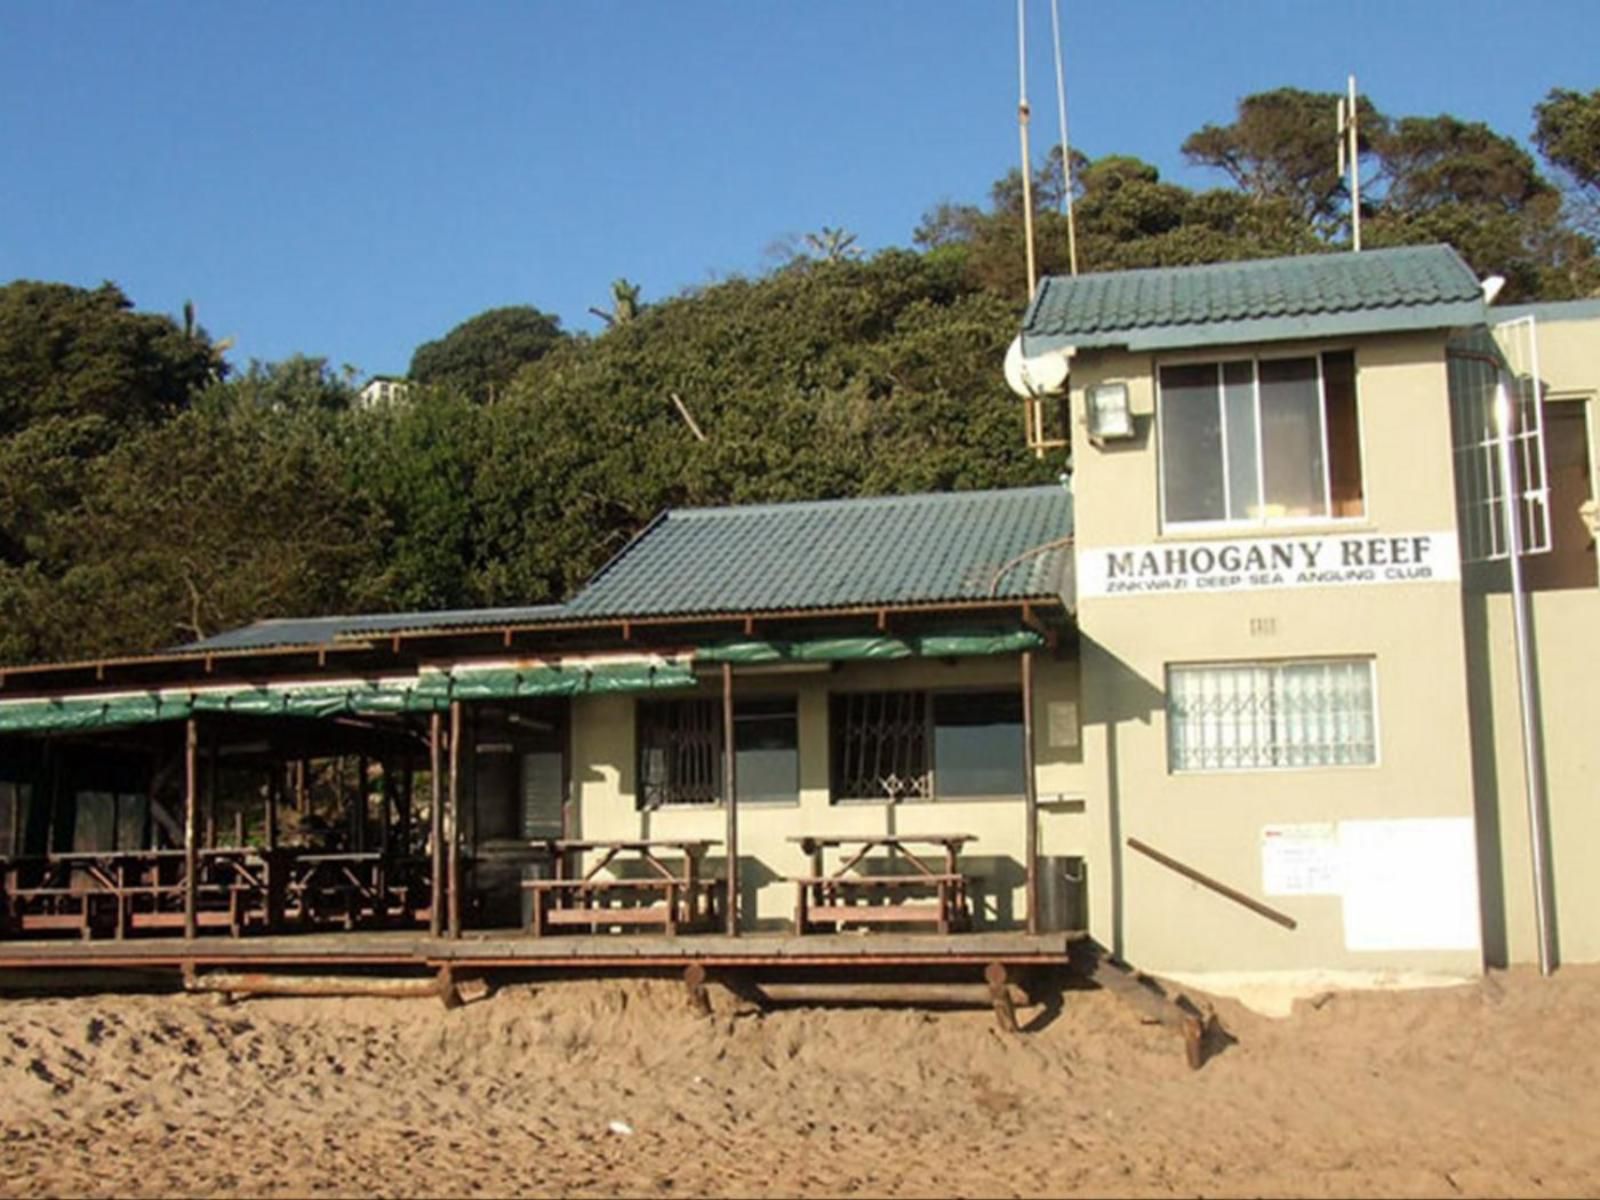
<point>1308,327</point>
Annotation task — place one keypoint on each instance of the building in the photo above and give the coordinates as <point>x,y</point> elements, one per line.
<point>381,390</point>
<point>1247,700</point>
<point>1297,668</point>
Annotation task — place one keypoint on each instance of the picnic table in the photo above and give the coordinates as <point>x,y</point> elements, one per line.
<point>122,891</point>
<point>352,887</point>
<point>916,893</point>
<point>678,899</point>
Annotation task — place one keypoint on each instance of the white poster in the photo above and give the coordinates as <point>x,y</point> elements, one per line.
<point>1250,564</point>
<point>1300,860</point>
<point>1410,884</point>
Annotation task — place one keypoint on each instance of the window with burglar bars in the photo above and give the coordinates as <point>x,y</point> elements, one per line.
<point>1261,716</point>
<point>880,746</point>
<point>680,752</point>
<point>1476,365</point>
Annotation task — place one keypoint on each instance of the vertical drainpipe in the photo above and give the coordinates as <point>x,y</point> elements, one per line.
<point>436,821</point>
<point>1030,790</point>
<point>191,804</point>
<point>454,836</point>
<point>1527,698</point>
<point>730,799</point>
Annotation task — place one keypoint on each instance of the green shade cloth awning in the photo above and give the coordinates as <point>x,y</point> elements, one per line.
<point>963,644</point>
<point>434,690</point>
<point>500,683</point>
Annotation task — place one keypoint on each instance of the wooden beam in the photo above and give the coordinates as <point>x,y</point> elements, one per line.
<point>1030,792</point>
<point>191,815</point>
<point>454,835</point>
<point>730,799</point>
<point>436,821</point>
<point>1222,889</point>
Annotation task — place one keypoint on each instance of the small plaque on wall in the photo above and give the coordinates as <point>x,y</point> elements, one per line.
<point>1062,719</point>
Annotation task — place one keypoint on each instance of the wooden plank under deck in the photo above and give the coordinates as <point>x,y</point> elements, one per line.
<point>513,949</point>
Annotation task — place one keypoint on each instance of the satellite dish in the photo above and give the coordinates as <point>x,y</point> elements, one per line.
<point>1042,375</point>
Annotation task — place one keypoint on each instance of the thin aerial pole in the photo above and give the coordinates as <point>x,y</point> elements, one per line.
<point>1350,158</point>
<point>1066,154</point>
<point>1527,698</point>
<point>1022,132</point>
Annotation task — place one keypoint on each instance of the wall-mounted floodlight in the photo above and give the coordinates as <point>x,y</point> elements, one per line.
<point>1110,418</point>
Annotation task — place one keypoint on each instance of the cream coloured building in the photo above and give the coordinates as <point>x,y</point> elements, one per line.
<point>1297,672</point>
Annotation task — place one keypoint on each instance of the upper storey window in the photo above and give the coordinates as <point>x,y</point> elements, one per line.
<point>1255,441</point>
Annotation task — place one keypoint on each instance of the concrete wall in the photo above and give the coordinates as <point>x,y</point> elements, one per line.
<point>605,764</point>
<point>1213,821</point>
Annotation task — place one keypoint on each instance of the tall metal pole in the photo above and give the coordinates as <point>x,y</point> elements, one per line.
<point>1355,170</point>
<point>730,799</point>
<point>191,812</point>
<point>1023,113</point>
<point>1030,793</point>
<point>1527,698</point>
<point>436,821</point>
<point>454,834</point>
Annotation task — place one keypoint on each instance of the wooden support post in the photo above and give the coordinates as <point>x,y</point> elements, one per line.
<point>386,802</point>
<point>191,816</point>
<point>999,981</point>
<point>436,821</point>
<point>1030,792</point>
<point>453,837</point>
<point>274,789</point>
<point>730,799</point>
<point>407,784</point>
<point>694,979</point>
<point>358,835</point>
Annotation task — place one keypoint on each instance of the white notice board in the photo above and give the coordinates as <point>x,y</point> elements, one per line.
<point>1300,860</point>
<point>1409,884</point>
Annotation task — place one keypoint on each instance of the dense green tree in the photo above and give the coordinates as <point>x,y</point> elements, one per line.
<point>211,520</point>
<point>479,358</point>
<point>1567,132</point>
<point>1281,145</point>
<point>298,383</point>
<point>71,352</point>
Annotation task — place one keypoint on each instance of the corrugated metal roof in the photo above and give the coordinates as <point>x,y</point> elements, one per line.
<point>1410,287</point>
<point>325,631</point>
<point>891,550</point>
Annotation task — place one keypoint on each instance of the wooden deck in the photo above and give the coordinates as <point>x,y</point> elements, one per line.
<point>515,949</point>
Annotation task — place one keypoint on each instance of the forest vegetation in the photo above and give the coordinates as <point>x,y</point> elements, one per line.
<point>151,492</point>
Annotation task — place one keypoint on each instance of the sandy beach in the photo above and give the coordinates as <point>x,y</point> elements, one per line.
<point>608,1087</point>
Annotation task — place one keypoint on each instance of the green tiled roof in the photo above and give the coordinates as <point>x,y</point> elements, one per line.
<point>1316,295</point>
<point>891,550</point>
<point>283,633</point>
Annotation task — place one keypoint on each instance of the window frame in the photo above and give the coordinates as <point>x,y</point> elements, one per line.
<point>1265,523</point>
<point>1371,661</point>
<point>930,729</point>
<point>719,799</point>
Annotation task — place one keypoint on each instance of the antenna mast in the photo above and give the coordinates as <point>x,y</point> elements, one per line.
<point>1022,130</point>
<point>1066,154</point>
<point>1350,157</point>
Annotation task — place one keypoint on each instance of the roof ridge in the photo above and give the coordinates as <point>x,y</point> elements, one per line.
<point>885,501</point>
<point>1257,264</point>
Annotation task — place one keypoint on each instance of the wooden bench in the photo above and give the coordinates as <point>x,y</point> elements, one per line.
<point>587,902</point>
<point>847,900</point>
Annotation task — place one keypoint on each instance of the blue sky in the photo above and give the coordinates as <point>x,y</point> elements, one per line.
<point>350,178</point>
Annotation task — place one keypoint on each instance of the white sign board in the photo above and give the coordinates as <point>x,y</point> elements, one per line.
<point>1254,564</point>
<point>1062,720</point>
<point>1300,860</point>
<point>1410,884</point>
